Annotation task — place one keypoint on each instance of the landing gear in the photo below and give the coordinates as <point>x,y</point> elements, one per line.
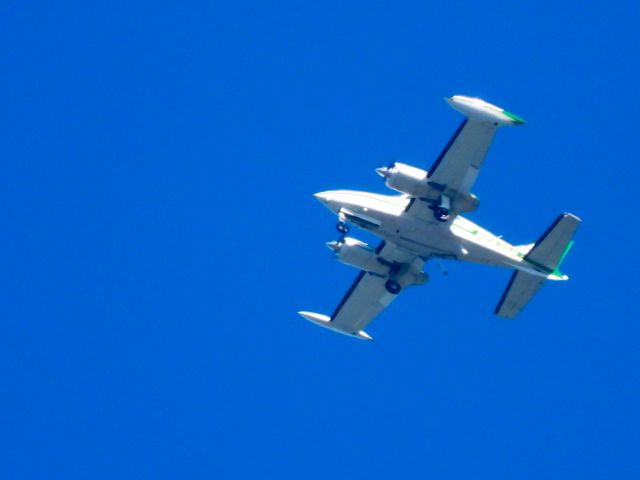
<point>442,214</point>
<point>343,228</point>
<point>392,287</point>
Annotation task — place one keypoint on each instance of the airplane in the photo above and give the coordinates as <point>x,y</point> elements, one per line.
<point>424,222</point>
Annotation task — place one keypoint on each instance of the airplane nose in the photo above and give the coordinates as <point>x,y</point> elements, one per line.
<point>383,171</point>
<point>322,196</point>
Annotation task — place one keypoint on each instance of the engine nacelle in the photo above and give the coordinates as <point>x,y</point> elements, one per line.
<point>358,254</point>
<point>414,181</point>
<point>467,203</point>
<point>405,179</point>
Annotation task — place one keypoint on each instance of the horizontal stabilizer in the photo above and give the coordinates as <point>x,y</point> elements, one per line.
<point>522,287</point>
<point>546,256</point>
<point>549,251</point>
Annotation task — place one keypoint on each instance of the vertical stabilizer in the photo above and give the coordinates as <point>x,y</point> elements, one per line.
<point>552,247</point>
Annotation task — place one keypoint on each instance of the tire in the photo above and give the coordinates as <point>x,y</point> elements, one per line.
<point>392,287</point>
<point>442,214</point>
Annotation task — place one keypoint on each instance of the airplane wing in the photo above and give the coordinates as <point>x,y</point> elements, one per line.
<point>456,169</point>
<point>368,296</point>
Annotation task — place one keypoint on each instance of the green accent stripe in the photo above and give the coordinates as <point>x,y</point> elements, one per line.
<point>472,232</point>
<point>564,254</point>
<point>516,119</point>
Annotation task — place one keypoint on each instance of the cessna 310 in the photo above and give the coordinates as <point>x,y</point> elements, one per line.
<point>424,222</point>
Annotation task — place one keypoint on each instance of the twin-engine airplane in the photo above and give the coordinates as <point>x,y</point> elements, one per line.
<point>424,222</point>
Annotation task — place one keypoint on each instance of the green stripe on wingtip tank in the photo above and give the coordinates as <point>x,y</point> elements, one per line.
<point>516,119</point>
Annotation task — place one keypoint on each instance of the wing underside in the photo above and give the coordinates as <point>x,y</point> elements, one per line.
<point>456,169</point>
<point>364,301</point>
<point>368,295</point>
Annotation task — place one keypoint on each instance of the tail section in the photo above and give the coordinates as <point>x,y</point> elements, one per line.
<point>545,255</point>
<point>551,249</point>
<point>522,287</point>
<point>524,249</point>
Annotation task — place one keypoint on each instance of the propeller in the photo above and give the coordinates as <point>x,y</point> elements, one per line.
<point>335,245</point>
<point>384,171</point>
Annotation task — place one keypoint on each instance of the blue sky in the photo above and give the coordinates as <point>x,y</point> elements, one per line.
<point>160,234</point>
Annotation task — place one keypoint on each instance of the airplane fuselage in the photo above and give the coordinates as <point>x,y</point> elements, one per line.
<point>386,217</point>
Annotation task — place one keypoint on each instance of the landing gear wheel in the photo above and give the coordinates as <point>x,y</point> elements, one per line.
<point>392,287</point>
<point>442,214</point>
<point>342,228</point>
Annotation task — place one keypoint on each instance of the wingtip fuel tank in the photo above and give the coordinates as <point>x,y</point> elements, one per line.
<point>478,109</point>
<point>325,321</point>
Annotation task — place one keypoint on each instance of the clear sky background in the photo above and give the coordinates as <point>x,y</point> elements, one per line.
<point>160,234</point>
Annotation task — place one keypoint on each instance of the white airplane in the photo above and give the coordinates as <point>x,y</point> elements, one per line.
<point>424,222</point>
